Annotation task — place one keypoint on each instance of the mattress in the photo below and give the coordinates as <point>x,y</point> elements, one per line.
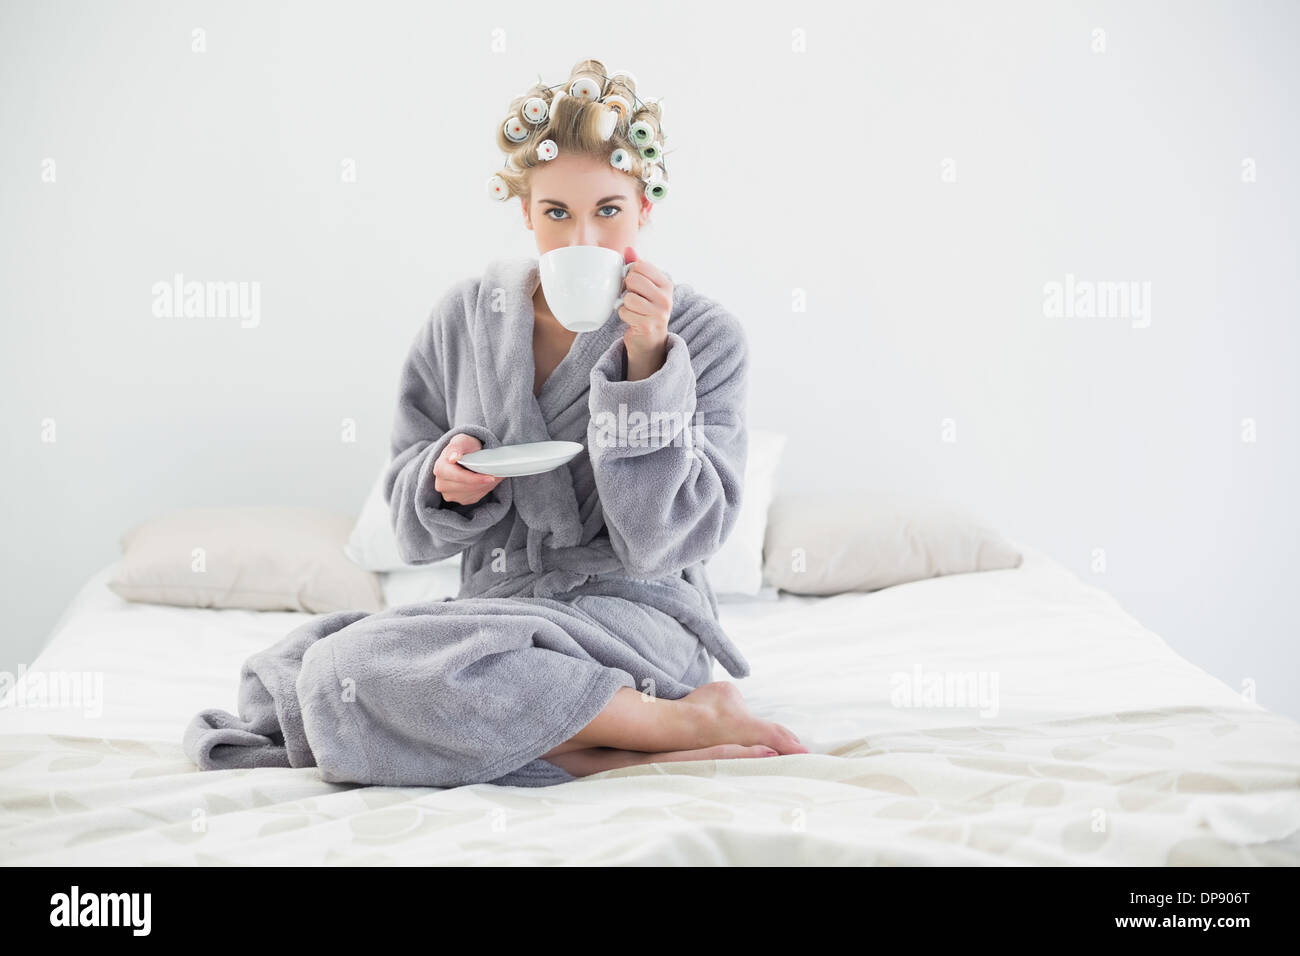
<point>1016,717</point>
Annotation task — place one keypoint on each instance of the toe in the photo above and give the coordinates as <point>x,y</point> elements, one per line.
<point>792,742</point>
<point>733,751</point>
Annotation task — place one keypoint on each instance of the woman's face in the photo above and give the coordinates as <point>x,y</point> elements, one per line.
<point>584,201</point>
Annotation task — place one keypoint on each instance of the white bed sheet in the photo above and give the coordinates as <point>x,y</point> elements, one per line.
<point>1105,747</point>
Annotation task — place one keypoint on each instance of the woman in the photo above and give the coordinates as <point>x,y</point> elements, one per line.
<point>585,630</point>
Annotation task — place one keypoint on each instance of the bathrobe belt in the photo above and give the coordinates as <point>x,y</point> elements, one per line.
<point>548,571</point>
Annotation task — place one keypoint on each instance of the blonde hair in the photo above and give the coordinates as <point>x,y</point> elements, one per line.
<point>573,123</point>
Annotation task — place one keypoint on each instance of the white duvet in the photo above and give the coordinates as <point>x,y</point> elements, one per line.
<point>1004,717</point>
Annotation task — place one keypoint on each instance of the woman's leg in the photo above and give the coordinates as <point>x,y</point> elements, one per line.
<point>711,715</point>
<point>580,763</point>
<point>452,693</point>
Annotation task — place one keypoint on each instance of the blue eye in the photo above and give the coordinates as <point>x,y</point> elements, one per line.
<point>564,213</point>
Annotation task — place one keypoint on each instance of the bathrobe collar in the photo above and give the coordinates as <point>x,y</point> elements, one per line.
<point>547,502</point>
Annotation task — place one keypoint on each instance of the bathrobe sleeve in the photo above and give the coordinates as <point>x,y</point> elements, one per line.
<point>668,451</point>
<point>427,527</point>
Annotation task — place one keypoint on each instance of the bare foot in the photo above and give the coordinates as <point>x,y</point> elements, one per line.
<point>591,760</point>
<point>726,719</point>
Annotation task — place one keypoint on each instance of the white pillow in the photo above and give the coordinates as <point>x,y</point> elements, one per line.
<point>372,544</point>
<point>737,568</point>
<point>857,540</point>
<point>262,558</point>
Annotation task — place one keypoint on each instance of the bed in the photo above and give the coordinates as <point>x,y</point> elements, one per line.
<point>1093,743</point>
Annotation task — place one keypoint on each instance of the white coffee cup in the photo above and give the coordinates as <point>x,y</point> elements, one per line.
<point>582,284</point>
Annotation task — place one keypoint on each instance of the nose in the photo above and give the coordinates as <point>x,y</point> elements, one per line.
<point>584,233</point>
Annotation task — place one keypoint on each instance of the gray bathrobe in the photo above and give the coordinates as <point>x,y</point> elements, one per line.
<point>574,582</point>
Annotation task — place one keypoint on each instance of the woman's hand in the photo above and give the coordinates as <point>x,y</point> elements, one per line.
<point>647,306</point>
<point>455,482</point>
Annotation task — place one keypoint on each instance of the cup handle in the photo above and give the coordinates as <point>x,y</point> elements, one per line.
<point>618,303</point>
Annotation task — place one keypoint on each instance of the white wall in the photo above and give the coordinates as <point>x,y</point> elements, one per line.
<point>817,170</point>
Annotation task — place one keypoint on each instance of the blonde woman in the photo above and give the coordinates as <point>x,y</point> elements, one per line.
<point>585,630</point>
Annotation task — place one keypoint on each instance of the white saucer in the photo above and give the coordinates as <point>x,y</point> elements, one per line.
<point>511,461</point>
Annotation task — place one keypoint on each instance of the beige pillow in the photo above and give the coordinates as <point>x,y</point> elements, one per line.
<point>863,541</point>
<point>261,558</point>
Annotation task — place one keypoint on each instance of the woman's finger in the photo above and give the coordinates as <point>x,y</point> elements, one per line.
<point>454,479</point>
<point>651,273</point>
<point>646,288</point>
<point>636,303</point>
<point>472,479</point>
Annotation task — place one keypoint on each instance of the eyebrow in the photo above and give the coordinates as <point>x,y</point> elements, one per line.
<point>599,202</point>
